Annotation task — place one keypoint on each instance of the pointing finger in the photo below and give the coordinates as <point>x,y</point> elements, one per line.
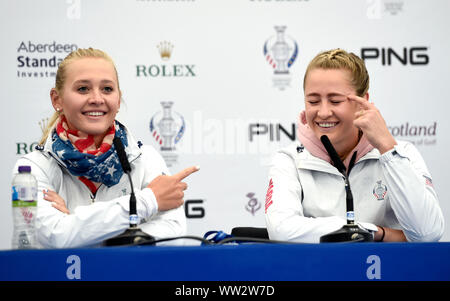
<point>360,100</point>
<point>186,172</point>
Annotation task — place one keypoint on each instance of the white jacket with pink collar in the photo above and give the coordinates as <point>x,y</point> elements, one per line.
<point>306,197</point>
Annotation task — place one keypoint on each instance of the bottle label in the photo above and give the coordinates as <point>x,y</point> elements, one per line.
<point>23,196</point>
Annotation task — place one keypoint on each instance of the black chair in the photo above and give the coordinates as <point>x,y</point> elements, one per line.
<point>251,232</point>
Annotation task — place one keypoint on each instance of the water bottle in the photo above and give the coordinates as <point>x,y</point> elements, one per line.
<point>24,207</point>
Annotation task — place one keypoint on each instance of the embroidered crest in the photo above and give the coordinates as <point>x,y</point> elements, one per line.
<point>379,191</point>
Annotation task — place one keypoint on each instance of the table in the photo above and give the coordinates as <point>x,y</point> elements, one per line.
<point>243,262</point>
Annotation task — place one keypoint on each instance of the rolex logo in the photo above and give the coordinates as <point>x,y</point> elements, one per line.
<point>164,68</point>
<point>165,50</point>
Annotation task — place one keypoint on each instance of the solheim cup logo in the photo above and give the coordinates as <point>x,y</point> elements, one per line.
<point>167,128</point>
<point>280,52</point>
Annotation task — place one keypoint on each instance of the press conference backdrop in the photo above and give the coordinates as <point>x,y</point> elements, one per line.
<point>218,83</point>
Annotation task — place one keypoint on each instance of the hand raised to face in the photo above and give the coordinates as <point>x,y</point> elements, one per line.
<point>370,121</point>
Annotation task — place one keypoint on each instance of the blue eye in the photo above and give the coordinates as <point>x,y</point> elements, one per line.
<point>82,89</point>
<point>108,89</point>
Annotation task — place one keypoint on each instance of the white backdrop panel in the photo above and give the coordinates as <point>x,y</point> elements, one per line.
<point>221,84</point>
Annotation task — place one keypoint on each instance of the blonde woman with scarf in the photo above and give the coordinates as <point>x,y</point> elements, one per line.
<point>83,193</point>
<point>393,194</point>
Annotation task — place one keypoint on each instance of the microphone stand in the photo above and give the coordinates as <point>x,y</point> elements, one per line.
<point>350,232</point>
<point>132,235</point>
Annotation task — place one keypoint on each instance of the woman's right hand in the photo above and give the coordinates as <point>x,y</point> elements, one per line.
<point>168,190</point>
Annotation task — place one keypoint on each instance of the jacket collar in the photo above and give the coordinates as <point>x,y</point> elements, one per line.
<point>304,159</point>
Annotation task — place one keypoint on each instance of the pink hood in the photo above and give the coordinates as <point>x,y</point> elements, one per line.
<point>316,148</point>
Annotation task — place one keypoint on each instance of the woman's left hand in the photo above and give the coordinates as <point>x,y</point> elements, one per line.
<point>56,200</point>
<point>373,125</point>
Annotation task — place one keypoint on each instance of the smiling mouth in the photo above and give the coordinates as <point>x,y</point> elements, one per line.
<point>94,113</point>
<point>327,125</point>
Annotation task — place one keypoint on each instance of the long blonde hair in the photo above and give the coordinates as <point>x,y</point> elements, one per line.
<point>341,59</point>
<point>61,79</point>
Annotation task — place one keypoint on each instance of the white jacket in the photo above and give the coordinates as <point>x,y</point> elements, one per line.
<point>94,219</point>
<point>306,198</point>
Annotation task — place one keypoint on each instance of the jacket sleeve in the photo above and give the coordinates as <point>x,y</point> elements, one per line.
<point>90,224</point>
<point>87,225</point>
<point>412,195</point>
<point>285,219</point>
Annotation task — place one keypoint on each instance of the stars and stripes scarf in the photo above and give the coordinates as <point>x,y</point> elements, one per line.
<point>93,166</point>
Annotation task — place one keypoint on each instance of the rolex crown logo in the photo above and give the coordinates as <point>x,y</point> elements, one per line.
<point>165,50</point>
<point>43,124</point>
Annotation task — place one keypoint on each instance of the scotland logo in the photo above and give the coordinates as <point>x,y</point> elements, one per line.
<point>167,131</point>
<point>252,205</point>
<point>280,52</point>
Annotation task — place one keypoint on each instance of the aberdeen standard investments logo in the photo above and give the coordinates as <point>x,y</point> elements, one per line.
<point>166,69</point>
<point>280,52</point>
<point>167,128</point>
<point>39,60</point>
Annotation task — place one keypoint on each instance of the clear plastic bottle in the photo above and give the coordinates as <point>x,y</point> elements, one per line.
<point>24,207</point>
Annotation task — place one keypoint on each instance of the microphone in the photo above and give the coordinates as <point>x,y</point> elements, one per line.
<point>333,154</point>
<point>133,235</point>
<point>341,167</point>
<point>350,231</point>
<point>121,154</point>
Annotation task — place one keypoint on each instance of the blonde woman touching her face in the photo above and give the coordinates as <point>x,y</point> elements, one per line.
<point>83,194</point>
<point>392,188</point>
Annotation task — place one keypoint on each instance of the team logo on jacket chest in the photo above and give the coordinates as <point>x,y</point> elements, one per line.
<point>379,191</point>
